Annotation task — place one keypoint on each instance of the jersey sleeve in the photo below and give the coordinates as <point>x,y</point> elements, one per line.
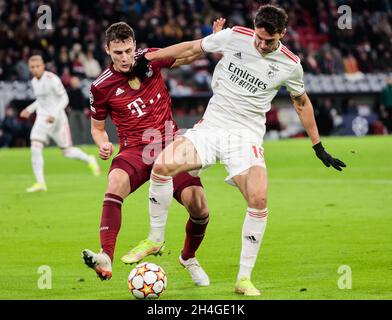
<point>98,105</point>
<point>163,63</point>
<point>295,83</point>
<point>217,42</point>
<point>57,86</point>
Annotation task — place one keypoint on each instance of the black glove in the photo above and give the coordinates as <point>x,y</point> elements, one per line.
<point>326,158</point>
<point>140,69</point>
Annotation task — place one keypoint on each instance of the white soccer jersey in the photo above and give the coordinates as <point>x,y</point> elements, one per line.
<point>51,96</point>
<point>245,82</point>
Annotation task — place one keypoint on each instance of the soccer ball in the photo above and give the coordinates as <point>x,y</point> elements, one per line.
<point>147,281</point>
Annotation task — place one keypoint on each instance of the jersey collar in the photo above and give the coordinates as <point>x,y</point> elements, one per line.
<point>271,54</point>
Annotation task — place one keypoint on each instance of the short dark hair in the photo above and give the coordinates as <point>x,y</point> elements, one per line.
<point>119,31</point>
<point>272,18</point>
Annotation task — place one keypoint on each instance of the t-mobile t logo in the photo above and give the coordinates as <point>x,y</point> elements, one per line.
<point>137,106</point>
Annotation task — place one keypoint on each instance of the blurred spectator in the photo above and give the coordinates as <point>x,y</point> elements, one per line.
<point>77,66</point>
<point>324,119</point>
<point>79,111</point>
<point>202,76</point>
<point>91,66</point>
<point>9,128</point>
<point>21,66</point>
<point>63,61</point>
<point>172,31</point>
<point>272,119</point>
<point>386,105</point>
<point>66,77</point>
<point>273,125</point>
<point>350,64</point>
<point>351,69</point>
<point>311,63</point>
<point>349,107</point>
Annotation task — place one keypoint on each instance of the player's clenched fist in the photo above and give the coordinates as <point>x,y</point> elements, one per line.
<point>25,113</point>
<point>106,151</point>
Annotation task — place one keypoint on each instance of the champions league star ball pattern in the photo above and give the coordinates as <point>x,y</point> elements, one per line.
<point>147,281</point>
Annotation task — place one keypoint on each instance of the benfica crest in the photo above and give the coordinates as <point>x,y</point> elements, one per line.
<point>134,83</point>
<point>273,69</point>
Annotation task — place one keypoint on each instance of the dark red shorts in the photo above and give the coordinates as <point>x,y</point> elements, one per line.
<point>139,166</point>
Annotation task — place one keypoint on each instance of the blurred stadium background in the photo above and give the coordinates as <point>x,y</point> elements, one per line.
<point>348,72</point>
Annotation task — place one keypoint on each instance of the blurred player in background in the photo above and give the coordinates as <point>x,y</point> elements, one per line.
<point>254,66</point>
<point>139,104</point>
<point>51,122</point>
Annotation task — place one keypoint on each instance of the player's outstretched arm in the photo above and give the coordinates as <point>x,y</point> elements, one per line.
<point>304,108</point>
<point>29,110</point>
<point>183,53</point>
<point>183,50</point>
<point>101,139</point>
<point>216,27</point>
<point>177,51</point>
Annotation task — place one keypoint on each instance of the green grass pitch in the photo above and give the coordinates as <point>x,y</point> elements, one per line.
<point>319,220</point>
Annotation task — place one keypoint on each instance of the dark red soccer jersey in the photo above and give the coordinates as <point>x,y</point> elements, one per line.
<point>133,110</point>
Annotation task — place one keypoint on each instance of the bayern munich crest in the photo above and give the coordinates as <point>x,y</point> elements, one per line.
<point>134,84</point>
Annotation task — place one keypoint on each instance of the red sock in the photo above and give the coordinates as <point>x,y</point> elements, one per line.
<point>110,223</point>
<point>195,230</point>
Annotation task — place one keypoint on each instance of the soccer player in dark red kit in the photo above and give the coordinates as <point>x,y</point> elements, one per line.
<point>140,107</point>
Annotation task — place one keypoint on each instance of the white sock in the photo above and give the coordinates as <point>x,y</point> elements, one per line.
<point>37,161</point>
<point>160,196</point>
<point>76,153</point>
<point>252,236</point>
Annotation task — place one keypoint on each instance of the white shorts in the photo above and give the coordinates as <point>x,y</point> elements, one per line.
<point>58,131</point>
<point>237,150</point>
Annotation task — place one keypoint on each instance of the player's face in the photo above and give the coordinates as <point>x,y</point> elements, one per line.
<point>122,54</point>
<point>265,42</point>
<point>37,68</point>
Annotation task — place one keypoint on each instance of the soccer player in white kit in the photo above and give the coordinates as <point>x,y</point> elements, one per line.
<point>255,64</point>
<point>51,122</point>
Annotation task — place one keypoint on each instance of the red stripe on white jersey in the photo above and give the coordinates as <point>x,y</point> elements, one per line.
<point>285,49</point>
<point>243,31</point>
<point>289,54</point>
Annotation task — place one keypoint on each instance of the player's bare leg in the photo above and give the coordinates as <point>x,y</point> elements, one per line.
<point>118,189</point>
<point>253,185</point>
<point>161,193</point>
<point>37,162</point>
<point>195,202</point>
